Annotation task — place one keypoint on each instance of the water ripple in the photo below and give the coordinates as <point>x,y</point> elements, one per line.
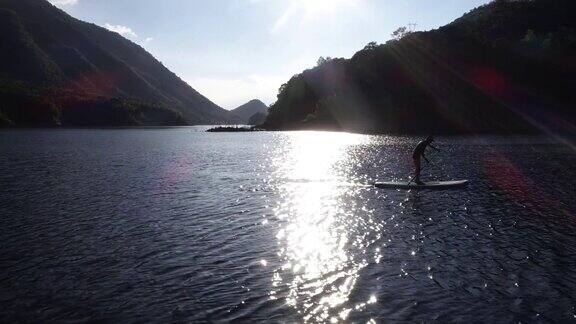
<point>169,225</point>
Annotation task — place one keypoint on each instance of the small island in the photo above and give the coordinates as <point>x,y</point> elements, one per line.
<point>233,129</point>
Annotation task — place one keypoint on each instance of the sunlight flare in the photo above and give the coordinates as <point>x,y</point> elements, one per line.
<point>307,11</point>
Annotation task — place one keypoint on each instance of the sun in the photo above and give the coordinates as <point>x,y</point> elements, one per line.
<point>311,11</point>
<point>322,7</point>
<point>315,6</point>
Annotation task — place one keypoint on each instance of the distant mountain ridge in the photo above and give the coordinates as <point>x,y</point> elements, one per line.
<point>505,67</point>
<point>249,109</point>
<point>44,49</point>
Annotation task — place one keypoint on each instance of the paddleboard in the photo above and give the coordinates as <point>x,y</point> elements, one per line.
<point>426,185</point>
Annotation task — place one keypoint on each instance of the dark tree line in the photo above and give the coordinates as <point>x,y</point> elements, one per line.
<point>25,105</point>
<point>506,67</point>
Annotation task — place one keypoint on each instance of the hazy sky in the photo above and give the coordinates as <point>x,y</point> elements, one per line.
<point>236,50</point>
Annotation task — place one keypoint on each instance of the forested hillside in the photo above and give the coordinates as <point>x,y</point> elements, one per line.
<point>506,67</point>
<point>52,64</point>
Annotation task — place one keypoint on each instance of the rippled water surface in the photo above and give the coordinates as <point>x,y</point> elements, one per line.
<point>177,225</point>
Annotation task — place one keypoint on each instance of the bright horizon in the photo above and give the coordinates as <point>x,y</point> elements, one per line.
<point>232,51</point>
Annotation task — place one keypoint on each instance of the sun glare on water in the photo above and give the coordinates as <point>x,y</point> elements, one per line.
<point>318,227</point>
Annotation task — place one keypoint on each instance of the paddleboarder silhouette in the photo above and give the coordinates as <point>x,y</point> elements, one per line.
<point>418,155</point>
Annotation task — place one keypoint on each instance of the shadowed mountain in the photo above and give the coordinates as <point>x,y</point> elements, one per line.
<point>258,118</point>
<point>63,61</point>
<point>505,67</point>
<point>249,109</point>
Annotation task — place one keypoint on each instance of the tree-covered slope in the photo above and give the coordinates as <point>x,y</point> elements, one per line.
<point>44,48</point>
<point>24,105</point>
<point>506,67</point>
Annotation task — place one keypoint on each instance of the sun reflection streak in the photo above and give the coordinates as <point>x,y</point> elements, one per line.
<point>317,228</point>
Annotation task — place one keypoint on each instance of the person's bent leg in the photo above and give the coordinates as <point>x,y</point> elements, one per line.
<point>417,167</point>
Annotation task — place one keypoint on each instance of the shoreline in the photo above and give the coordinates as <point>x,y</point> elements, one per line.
<point>568,137</point>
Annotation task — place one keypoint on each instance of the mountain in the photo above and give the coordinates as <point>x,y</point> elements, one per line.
<point>258,118</point>
<point>249,109</point>
<point>505,67</point>
<point>62,64</point>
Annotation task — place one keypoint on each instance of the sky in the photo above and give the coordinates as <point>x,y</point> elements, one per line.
<point>233,51</point>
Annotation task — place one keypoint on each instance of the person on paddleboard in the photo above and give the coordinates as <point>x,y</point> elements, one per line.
<point>418,155</point>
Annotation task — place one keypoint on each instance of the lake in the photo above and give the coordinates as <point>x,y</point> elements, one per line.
<point>179,225</point>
